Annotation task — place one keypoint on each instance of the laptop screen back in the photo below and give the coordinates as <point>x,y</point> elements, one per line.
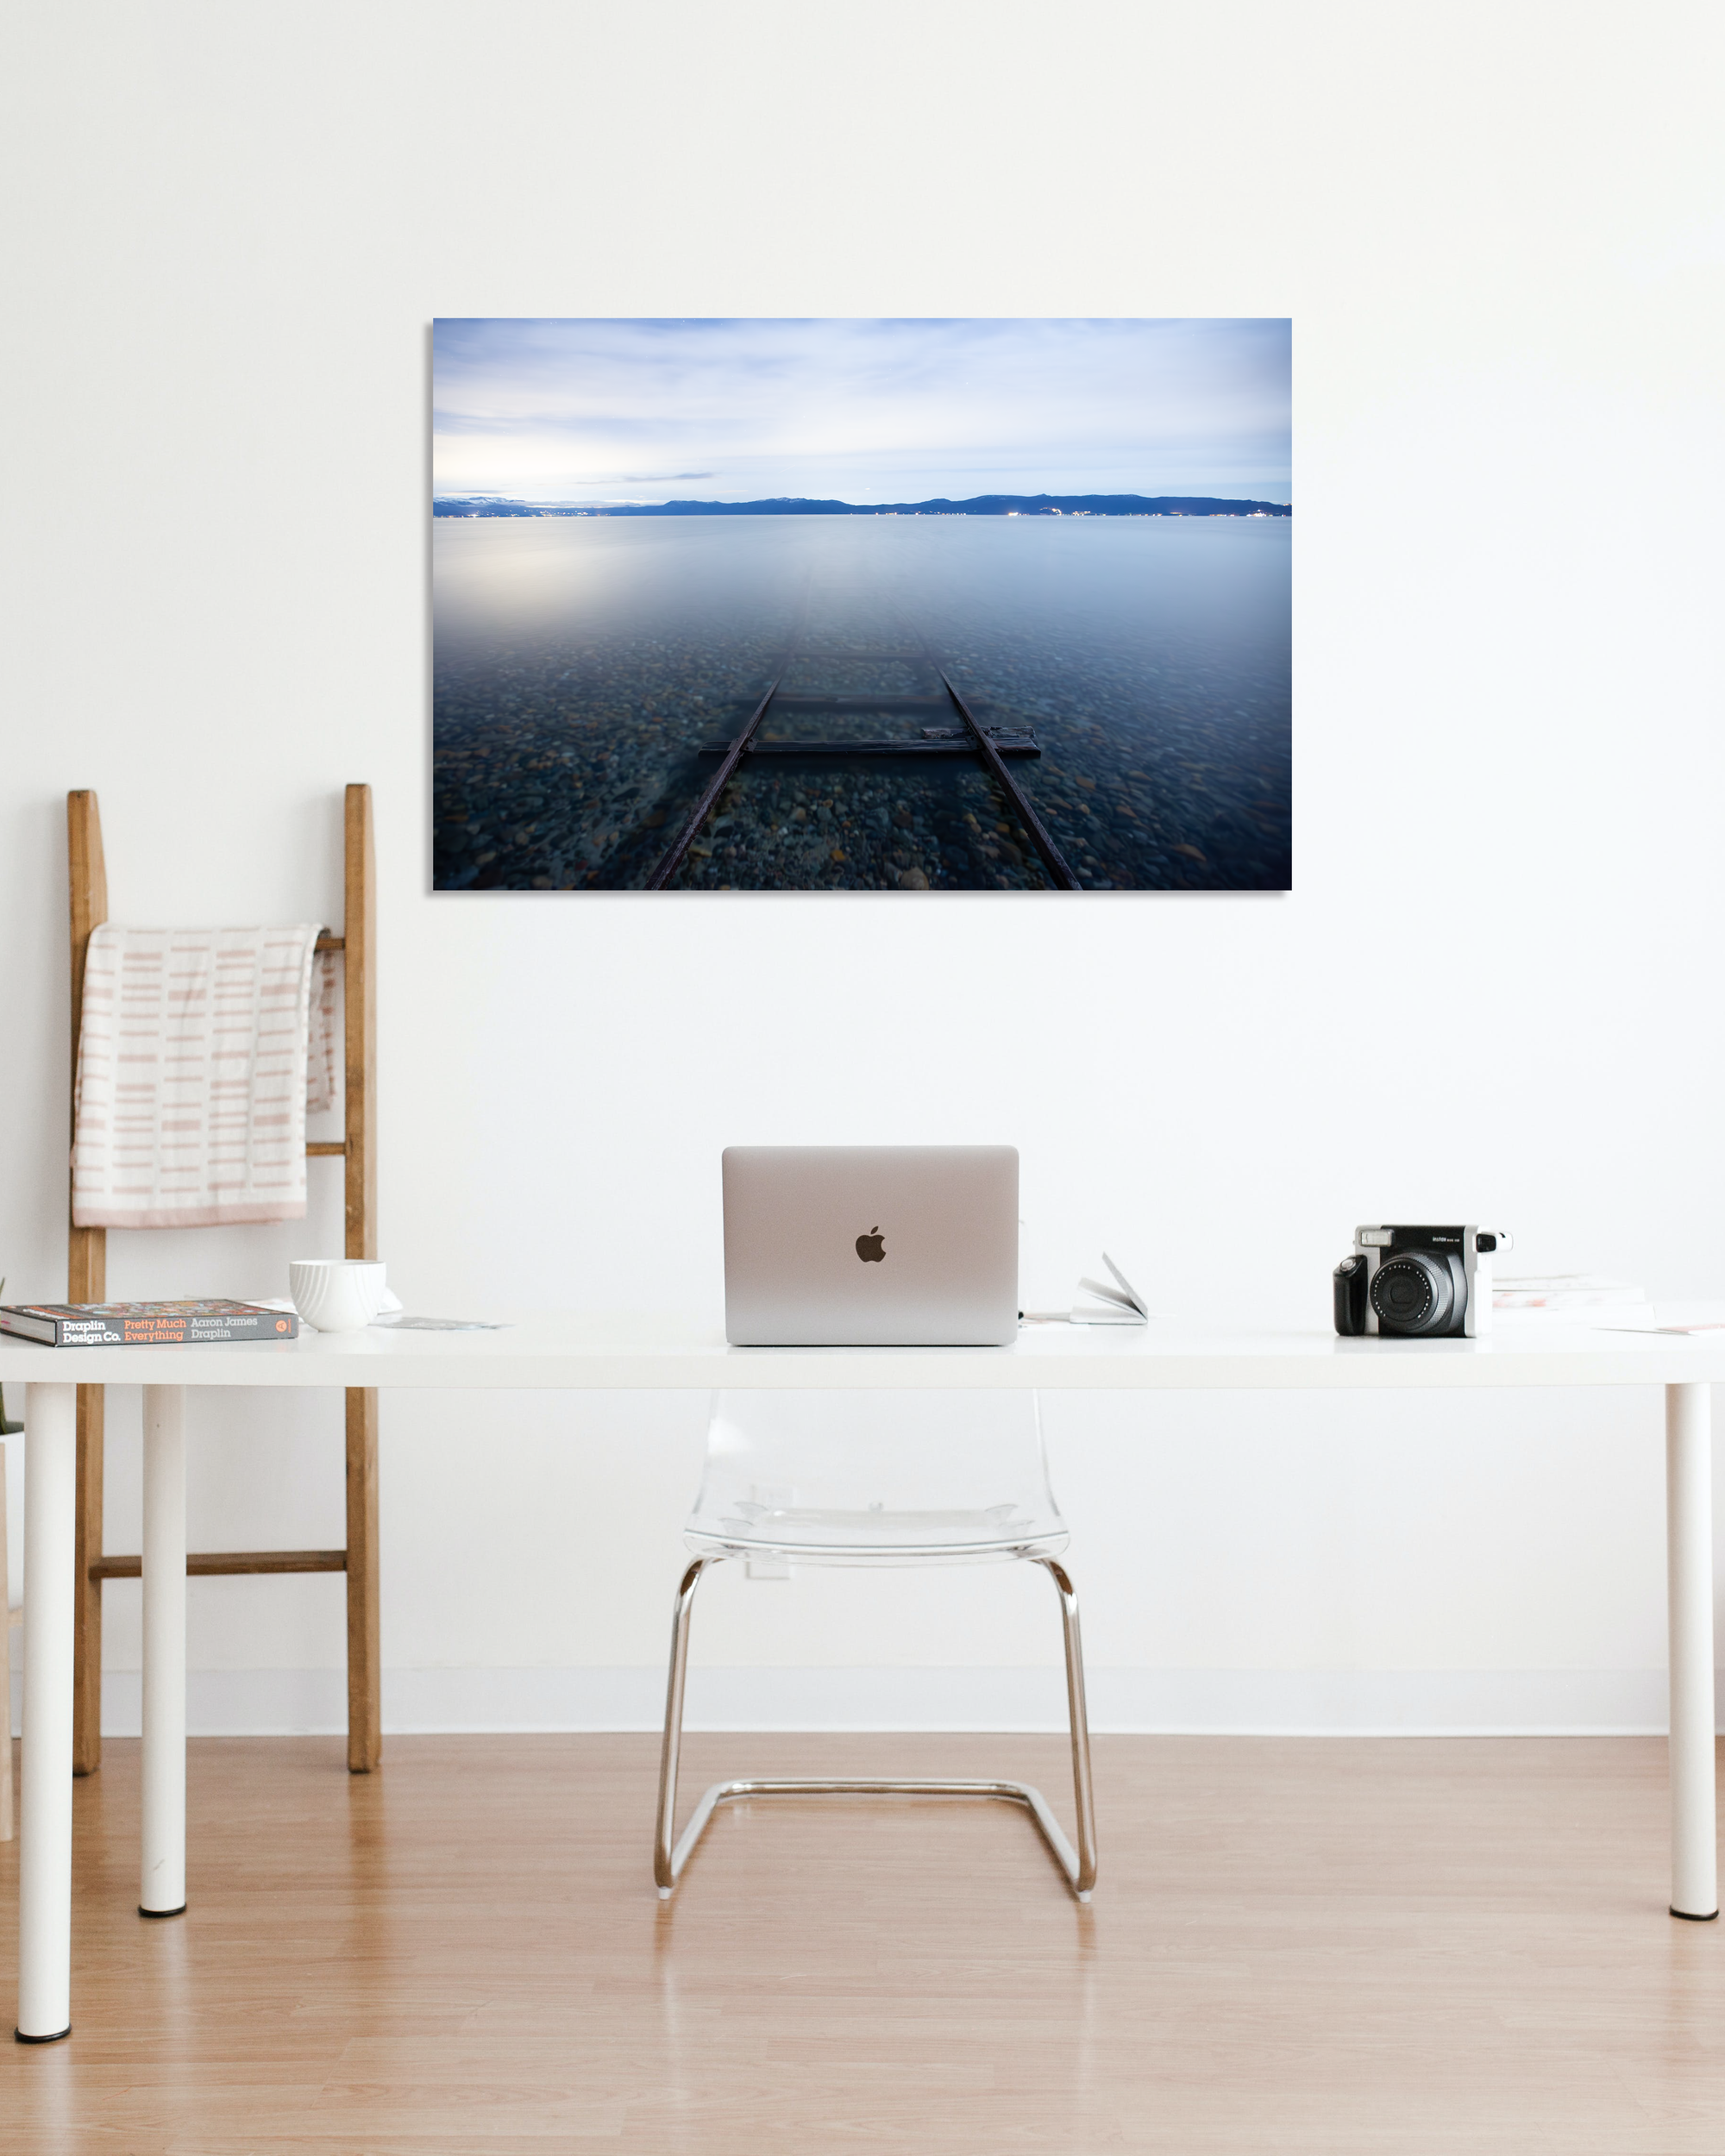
<point>871,1245</point>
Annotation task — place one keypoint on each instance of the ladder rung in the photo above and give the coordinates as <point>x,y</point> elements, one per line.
<point>224,1560</point>
<point>331,942</point>
<point>322,1148</point>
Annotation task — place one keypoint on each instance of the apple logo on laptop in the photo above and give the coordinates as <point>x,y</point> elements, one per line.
<point>871,1248</point>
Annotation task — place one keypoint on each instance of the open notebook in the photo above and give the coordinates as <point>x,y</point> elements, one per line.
<point>1119,1305</point>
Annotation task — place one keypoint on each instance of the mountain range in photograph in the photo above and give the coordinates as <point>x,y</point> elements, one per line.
<point>797,506</point>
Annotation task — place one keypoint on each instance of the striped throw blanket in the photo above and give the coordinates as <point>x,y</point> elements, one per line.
<point>193,1077</point>
<point>320,1047</point>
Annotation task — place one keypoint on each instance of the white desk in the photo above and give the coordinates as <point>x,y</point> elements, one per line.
<point>665,1355</point>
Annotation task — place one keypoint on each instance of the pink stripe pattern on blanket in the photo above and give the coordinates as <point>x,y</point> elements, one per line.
<point>191,1077</point>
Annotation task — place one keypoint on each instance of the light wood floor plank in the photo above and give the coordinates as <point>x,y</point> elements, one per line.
<point>1404,1948</point>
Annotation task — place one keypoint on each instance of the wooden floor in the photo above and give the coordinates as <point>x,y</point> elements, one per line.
<point>1309,1945</point>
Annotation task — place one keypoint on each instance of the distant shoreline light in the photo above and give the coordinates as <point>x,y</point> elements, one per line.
<point>794,505</point>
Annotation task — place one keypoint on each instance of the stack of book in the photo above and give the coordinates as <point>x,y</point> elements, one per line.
<point>144,1324</point>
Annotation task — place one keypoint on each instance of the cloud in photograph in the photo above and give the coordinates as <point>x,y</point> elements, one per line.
<point>589,411</point>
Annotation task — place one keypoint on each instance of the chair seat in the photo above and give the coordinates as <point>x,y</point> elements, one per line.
<point>886,1479</point>
<point>875,1535</point>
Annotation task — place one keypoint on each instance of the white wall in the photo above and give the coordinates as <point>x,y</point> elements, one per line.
<point>1493,993</point>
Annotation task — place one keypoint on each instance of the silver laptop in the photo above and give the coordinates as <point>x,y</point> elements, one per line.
<point>871,1245</point>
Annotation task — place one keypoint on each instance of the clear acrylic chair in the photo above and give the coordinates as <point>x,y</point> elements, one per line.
<point>878,1478</point>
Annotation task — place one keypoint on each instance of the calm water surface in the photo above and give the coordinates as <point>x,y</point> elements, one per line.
<point>583,663</point>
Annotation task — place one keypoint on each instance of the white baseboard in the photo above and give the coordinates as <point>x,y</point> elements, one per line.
<point>1316,1702</point>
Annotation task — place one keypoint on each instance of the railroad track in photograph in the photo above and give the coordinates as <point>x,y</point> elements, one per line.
<point>991,745</point>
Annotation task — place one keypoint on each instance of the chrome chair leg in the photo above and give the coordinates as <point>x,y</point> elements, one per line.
<point>665,1867</point>
<point>1079,1866</point>
<point>1078,1720</point>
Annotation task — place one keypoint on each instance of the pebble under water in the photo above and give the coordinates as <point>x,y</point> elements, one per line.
<point>581,664</point>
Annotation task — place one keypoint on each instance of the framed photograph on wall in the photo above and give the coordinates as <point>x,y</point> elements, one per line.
<point>910,606</point>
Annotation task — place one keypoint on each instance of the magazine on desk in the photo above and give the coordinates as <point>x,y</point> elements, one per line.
<point>144,1324</point>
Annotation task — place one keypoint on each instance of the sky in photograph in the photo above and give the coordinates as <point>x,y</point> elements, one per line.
<point>592,412</point>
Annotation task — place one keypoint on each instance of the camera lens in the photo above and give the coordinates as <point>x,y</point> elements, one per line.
<point>1413,1293</point>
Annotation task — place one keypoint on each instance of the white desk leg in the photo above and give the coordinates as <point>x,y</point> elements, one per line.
<point>45,1841</point>
<point>1689,1583</point>
<point>162,1889</point>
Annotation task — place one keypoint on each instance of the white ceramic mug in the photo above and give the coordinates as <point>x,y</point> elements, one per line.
<point>337,1294</point>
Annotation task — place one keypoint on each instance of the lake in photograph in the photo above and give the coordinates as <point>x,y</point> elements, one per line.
<point>589,670</point>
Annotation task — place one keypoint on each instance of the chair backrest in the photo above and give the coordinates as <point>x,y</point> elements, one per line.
<point>929,1454</point>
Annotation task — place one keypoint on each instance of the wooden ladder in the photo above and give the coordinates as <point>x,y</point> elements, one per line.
<point>87,1281</point>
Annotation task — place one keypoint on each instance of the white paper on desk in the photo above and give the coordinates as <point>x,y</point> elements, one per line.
<point>1713,1325</point>
<point>405,1321</point>
<point>1119,1305</point>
